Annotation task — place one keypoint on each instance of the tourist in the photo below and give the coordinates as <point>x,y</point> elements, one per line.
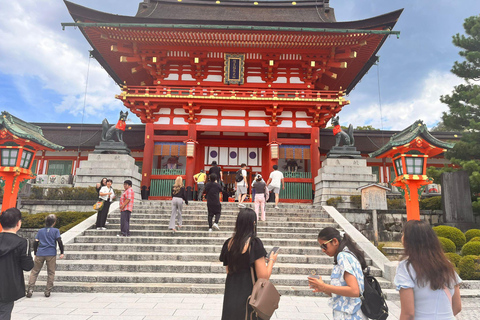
<point>100,185</point>
<point>274,182</point>
<point>126,207</point>
<point>45,251</point>
<point>259,187</point>
<point>216,169</point>
<point>107,194</point>
<point>15,257</point>
<point>239,253</point>
<point>214,207</point>
<point>346,281</point>
<point>242,189</point>
<point>178,196</point>
<point>426,279</point>
<point>200,179</point>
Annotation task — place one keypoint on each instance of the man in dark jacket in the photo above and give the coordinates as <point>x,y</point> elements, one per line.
<point>15,257</point>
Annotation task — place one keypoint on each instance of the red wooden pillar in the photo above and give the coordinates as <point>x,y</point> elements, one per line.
<point>314,151</point>
<point>384,166</point>
<point>42,163</point>
<point>190,168</point>
<point>148,155</point>
<point>272,137</point>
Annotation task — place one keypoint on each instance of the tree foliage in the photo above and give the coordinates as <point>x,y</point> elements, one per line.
<point>464,108</point>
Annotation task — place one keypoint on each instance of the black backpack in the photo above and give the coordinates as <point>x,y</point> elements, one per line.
<point>374,305</point>
<point>239,176</point>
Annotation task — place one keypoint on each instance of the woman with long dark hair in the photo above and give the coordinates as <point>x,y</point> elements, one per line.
<point>346,281</point>
<point>240,252</point>
<point>178,196</point>
<point>426,279</point>
<point>101,184</point>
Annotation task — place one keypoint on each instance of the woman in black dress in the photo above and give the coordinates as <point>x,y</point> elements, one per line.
<point>239,253</point>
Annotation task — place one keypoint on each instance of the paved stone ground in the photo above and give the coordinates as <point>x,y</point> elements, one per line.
<point>167,306</point>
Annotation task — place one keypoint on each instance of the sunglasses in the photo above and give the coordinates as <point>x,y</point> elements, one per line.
<point>324,245</point>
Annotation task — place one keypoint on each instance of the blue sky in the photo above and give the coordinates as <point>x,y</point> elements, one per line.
<point>43,69</point>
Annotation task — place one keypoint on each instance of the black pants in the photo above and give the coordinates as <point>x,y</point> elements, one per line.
<point>102,215</point>
<point>213,210</point>
<point>6,310</point>
<point>125,222</point>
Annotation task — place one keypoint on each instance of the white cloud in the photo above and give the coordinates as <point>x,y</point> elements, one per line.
<point>397,115</point>
<point>33,45</point>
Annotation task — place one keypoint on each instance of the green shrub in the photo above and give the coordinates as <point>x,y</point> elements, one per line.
<point>431,203</point>
<point>393,204</point>
<point>447,245</point>
<point>474,239</point>
<point>469,268</point>
<point>451,233</point>
<point>356,201</point>
<point>453,257</point>
<point>472,233</point>
<point>65,220</point>
<point>65,193</point>
<point>334,201</point>
<point>471,248</point>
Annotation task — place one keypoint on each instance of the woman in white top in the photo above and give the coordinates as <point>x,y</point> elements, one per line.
<point>107,194</point>
<point>426,279</point>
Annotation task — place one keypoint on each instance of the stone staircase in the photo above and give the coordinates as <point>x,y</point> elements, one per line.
<point>155,260</point>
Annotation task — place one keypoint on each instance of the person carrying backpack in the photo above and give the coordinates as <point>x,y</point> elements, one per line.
<point>241,182</point>
<point>347,279</point>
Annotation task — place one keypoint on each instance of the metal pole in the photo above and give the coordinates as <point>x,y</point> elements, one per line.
<point>375,227</point>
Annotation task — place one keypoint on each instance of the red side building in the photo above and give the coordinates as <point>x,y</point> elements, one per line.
<point>233,82</point>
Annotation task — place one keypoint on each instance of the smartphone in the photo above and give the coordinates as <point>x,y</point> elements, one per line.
<point>274,250</point>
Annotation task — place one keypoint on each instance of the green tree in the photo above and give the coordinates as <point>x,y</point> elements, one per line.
<point>464,108</point>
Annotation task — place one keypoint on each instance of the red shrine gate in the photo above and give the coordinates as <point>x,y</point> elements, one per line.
<point>235,84</point>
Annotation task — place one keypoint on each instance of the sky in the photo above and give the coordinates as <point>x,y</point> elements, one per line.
<point>44,69</point>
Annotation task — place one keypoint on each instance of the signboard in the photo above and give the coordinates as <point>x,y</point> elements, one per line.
<point>234,68</point>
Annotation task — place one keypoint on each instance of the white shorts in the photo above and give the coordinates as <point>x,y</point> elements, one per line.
<point>274,189</point>
<point>242,189</point>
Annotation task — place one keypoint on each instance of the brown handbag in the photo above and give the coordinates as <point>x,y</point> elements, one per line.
<point>264,299</point>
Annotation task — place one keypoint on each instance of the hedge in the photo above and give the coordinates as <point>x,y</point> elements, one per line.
<point>451,233</point>
<point>453,257</point>
<point>356,201</point>
<point>334,201</point>
<point>469,268</point>
<point>447,245</point>
<point>65,220</point>
<point>64,193</point>
<point>472,233</point>
<point>474,239</point>
<point>431,203</point>
<point>471,248</point>
<point>396,204</point>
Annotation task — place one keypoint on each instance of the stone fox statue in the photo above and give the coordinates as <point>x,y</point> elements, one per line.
<point>342,136</point>
<point>118,129</point>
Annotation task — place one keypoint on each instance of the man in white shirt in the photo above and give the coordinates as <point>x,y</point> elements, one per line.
<point>274,182</point>
<point>242,186</point>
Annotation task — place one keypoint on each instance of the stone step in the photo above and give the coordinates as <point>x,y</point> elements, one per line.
<point>260,228</point>
<point>184,256</point>
<point>187,267</point>
<point>169,278</point>
<point>203,217</point>
<point>271,222</point>
<point>199,241</point>
<point>224,233</point>
<point>234,213</point>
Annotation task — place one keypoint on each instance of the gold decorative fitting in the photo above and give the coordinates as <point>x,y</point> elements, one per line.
<point>312,63</point>
<point>255,3</point>
<point>198,83</point>
<point>69,127</point>
<point>123,59</point>
<point>294,3</point>
<point>154,59</point>
<point>269,85</point>
<point>217,2</point>
<point>196,60</point>
<point>271,63</point>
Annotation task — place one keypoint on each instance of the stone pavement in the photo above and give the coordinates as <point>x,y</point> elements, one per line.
<point>172,306</point>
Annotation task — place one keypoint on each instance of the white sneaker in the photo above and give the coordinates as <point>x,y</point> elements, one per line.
<point>99,228</point>
<point>210,230</point>
<point>215,226</point>
<point>103,228</point>
<point>241,205</point>
<point>107,222</point>
<point>276,207</point>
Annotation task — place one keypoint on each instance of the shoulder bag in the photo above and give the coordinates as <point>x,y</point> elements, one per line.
<point>263,300</point>
<point>98,206</point>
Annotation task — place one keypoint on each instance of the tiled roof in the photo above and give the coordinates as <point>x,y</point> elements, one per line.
<point>26,130</point>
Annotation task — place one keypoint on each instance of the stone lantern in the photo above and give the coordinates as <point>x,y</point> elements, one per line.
<point>409,151</point>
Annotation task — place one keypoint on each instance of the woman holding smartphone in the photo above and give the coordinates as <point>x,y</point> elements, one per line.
<point>240,252</point>
<point>346,280</point>
<point>427,281</point>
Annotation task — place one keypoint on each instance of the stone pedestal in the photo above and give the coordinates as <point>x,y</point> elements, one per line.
<point>341,178</point>
<point>112,147</point>
<point>118,167</point>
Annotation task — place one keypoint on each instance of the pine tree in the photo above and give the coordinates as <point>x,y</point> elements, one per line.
<point>464,107</point>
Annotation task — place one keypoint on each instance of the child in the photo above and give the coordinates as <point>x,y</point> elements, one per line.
<point>45,250</point>
<point>212,191</point>
<point>347,276</point>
